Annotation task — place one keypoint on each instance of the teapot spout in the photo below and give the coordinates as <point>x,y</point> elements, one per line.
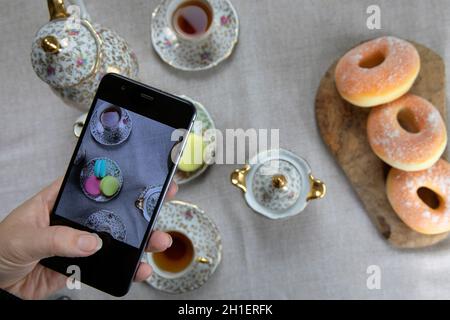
<point>57,9</point>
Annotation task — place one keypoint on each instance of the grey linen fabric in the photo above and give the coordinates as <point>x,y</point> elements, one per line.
<point>270,81</point>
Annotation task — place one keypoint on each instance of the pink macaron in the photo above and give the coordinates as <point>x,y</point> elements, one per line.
<point>92,186</point>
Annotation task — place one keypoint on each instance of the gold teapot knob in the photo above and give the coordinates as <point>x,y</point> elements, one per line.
<point>50,44</point>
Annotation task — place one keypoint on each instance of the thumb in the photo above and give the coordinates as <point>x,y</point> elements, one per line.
<point>63,242</point>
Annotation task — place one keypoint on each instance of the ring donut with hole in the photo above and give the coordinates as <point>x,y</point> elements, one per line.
<point>377,72</point>
<point>422,199</point>
<point>408,133</point>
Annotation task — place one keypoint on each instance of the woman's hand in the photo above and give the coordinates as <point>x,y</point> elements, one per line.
<point>26,237</point>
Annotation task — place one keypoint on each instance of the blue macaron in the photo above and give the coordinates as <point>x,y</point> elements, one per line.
<point>100,168</point>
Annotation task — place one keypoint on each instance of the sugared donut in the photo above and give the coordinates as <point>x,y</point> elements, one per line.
<point>408,134</point>
<point>377,72</point>
<point>430,212</point>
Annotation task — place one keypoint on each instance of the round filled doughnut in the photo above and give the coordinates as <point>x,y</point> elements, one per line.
<point>422,199</point>
<point>377,72</point>
<point>408,133</point>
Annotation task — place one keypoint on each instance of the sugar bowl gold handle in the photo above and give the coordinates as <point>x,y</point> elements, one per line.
<point>239,176</point>
<point>318,189</point>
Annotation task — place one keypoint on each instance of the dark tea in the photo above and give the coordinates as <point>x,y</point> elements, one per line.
<point>193,18</point>
<point>176,258</point>
<point>110,117</point>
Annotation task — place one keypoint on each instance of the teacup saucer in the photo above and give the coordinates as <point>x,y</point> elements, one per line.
<point>202,123</point>
<point>112,169</point>
<point>108,138</point>
<point>192,221</point>
<point>107,221</point>
<point>194,56</point>
<point>146,201</point>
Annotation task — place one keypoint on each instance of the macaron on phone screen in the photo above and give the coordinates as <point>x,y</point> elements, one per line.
<point>118,176</point>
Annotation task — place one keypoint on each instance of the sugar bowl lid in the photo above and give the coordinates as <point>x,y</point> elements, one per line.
<point>278,184</point>
<point>65,51</point>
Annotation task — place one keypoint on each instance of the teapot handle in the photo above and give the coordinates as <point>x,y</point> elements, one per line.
<point>83,11</point>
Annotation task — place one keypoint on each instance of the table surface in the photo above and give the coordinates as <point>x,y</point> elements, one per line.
<point>269,82</point>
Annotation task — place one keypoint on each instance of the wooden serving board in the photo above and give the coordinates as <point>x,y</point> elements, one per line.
<point>343,129</point>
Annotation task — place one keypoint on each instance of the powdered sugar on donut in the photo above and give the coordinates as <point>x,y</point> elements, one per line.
<point>401,64</point>
<point>426,214</point>
<point>402,193</point>
<point>434,119</point>
<point>397,146</point>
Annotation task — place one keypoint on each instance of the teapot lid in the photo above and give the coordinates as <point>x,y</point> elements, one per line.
<point>277,183</point>
<point>64,56</point>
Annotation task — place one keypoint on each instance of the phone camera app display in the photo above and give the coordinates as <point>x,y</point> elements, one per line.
<point>118,173</point>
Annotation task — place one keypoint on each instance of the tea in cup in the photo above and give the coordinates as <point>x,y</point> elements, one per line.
<point>191,20</point>
<point>110,118</point>
<point>177,260</point>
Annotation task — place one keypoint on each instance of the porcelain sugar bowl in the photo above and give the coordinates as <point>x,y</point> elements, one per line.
<point>71,54</point>
<point>278,184</point>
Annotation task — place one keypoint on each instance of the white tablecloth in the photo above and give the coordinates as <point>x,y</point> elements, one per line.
<point>269,82</point>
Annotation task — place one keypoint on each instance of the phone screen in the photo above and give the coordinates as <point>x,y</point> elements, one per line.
<point>118,177</point>
<point>118,173</point>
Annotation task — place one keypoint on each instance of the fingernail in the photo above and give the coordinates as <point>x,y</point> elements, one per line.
<point>169,241</point>
<point>99,242</point>
<point>89,242</point>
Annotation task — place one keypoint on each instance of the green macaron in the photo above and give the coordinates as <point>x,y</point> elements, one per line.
<point>109,186</point>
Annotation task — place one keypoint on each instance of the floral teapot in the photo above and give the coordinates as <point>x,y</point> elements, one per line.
<point>72,55</point>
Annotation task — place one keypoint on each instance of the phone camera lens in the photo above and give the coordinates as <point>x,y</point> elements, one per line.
<point>123,88</point>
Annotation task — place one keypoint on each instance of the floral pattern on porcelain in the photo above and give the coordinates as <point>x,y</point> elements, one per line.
<point>271,197</point>
<point>194,56</point>
<point>192,221</point>
<point>290,197</point>
<point>70,76</point>
<point>72,63</point>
